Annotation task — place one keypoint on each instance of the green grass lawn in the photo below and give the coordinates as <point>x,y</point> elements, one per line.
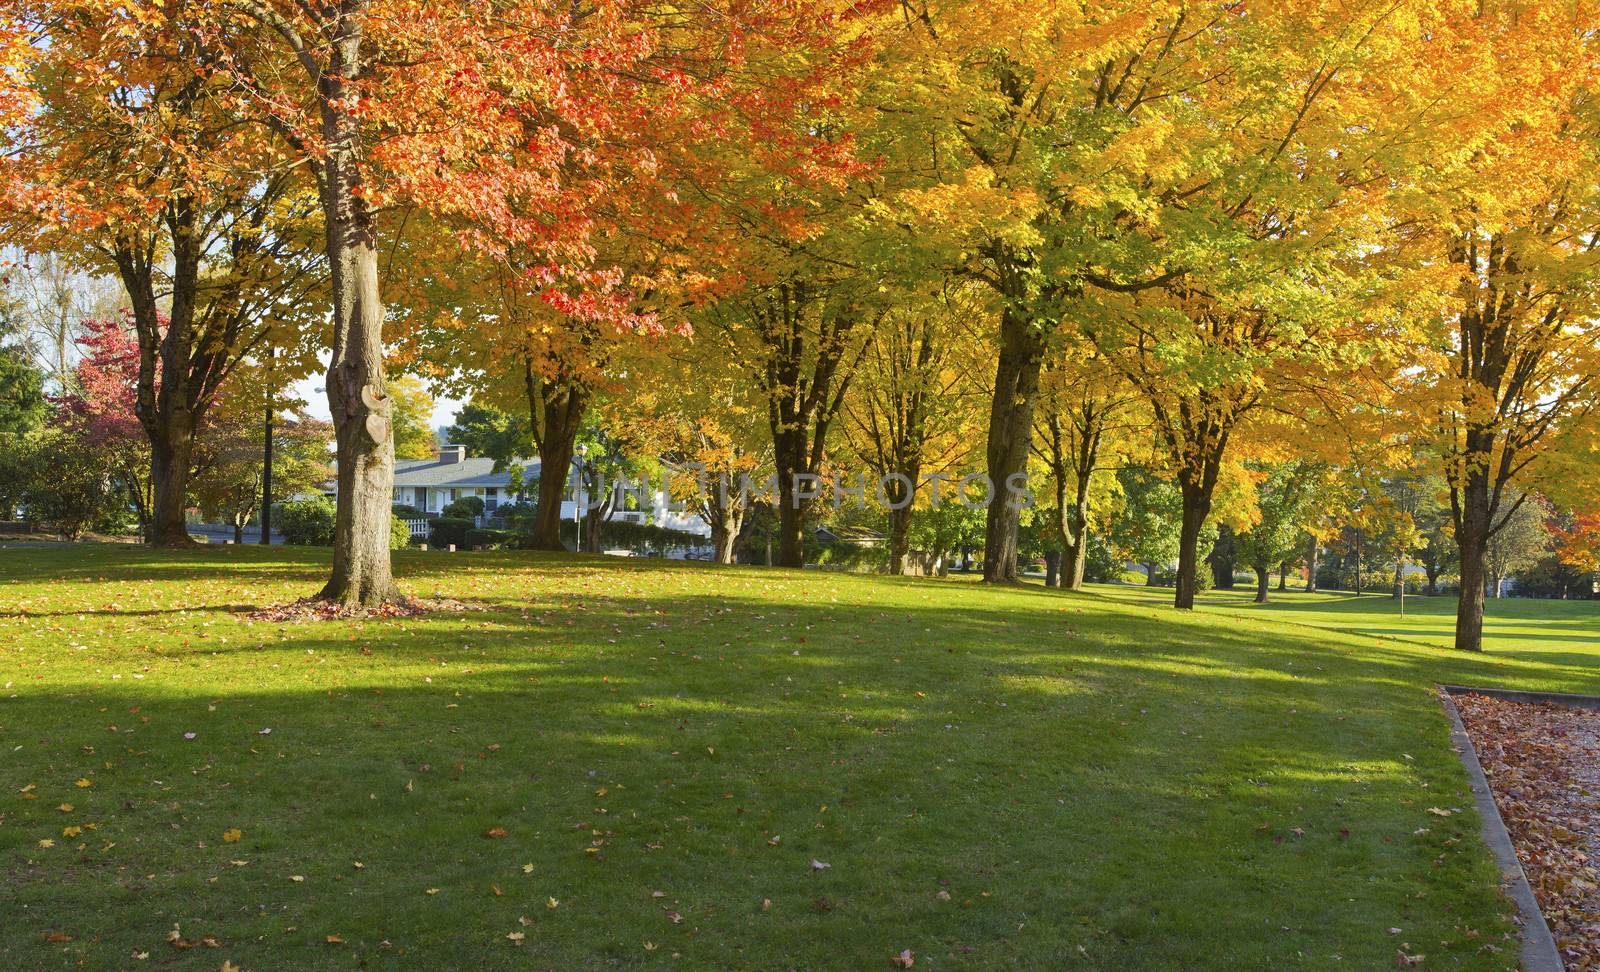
<point>1562,633</point>
<point>996,779</point>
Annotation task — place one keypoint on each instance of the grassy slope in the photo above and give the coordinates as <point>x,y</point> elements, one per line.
<point>1094,783</point>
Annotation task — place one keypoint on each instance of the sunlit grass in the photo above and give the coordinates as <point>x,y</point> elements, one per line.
<point>996,778</point>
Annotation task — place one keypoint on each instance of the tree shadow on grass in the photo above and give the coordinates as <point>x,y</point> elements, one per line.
<point>1072,773</point>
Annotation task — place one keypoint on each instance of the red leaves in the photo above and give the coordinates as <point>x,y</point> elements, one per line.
<point>1543,764</point>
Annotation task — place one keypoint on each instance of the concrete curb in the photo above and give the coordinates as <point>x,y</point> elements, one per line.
<point>1539,952</point>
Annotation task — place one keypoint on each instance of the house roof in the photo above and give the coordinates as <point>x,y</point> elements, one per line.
<point>461,473</point>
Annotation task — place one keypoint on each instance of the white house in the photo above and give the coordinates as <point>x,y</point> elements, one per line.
<point>430,485</point>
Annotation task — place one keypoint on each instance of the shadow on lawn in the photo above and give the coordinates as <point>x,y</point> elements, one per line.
<point>1099,772</point>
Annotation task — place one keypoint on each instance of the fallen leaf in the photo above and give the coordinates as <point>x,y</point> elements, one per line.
<point>232,836</point>
<point>906,959</point>
<point>496,833</point>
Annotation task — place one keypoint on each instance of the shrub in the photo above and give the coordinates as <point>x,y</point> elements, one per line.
<point>464,508</point>
<point>69,488</point>
<point>399,533</point>
<point>488,539</point>
<point>307,523</point>
<point>406,511</point>
<point>447,530</point>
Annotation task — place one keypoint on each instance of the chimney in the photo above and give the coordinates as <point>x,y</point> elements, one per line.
<point>451,454</point>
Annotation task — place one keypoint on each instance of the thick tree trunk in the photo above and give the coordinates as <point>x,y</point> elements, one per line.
<point>1052,568</point>
<point>1196,507</point>
<point>1311,565</point>
<point>725,536</point>
<point>1016,385</point>
<point>362,418</point>
<point>357,397</point>
<point>792,510</point>
<point>171,458</point>
<point>1263,582</point>
<point>1474,515</point>
<point>1283,575</point>
<point>900,542</point>
<point>1150,575</point>
<point>562,407</point>
<point>1075,559</point>
<point>1222,559</point>
<point>238,532</point>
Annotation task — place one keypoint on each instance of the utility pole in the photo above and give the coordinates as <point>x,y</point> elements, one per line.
<point>266,458</point>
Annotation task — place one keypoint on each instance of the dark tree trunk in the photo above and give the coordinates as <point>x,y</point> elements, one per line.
<point>556,410</point>
<point>1311,565</point>
<point>1432,567</point>
<point>1222,559</point>
<point>792,511</point>
<point>266,473</point>
<point>1473,509</point>
<point>1263,582</point>
<point>171,460</point>
<point>1283,575</point>
<point>1150,575</point>
<point>1052,568</point>
<point>238,532</point>
<point>1016,385</point>
<point>1197,487</point>
<point>805,374</point>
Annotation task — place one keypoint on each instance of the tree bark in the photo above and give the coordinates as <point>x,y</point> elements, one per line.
<point>1016,385</point>
<point>1312,552</point>
<point>900,541</point>
<point>1263,582</point>
<point>357,398</point>
<point>1283,575</point>
<point>171,460</point>
<point>1197,484</point>
<point>1222,559</point>
<point>555,411</point>
<point>725,535</point>
<point>1150,575</point>
<point>1052,568</point>
<point>1474,514</point>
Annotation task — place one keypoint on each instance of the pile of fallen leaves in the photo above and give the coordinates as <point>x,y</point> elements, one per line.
<point>1543,764</point>
<point>317,609</point>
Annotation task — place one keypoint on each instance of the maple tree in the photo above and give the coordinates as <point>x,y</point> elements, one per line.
<point>1506,227</point>
<point>134,168</point>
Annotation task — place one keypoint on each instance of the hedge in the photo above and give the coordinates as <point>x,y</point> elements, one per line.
<point>447,530</point>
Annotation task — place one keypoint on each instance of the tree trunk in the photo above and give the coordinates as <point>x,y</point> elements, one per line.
<point>562,406</point>
<point>1399,580</point>
<point>171,458</point>
<point>357,399</point>
<point>1311,565</point>
<point>1263,582</point>
<point>1472,539</point>
<point>238,532</point>
<point>1221,558</point>
<point>266,459</point>
<point>791,522</point>
<point>1016,385</point>
<point>900,541</point>
<point>1189,552</point>
<point>1052,568</point>
<point>725,534</point>
<point>1283,575</point>
<point>1150,575</point>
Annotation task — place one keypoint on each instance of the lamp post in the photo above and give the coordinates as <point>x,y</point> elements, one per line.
<point>266,457</point>
<point>580,497</point>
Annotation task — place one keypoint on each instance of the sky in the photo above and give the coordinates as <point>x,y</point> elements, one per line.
<point>311,391</point>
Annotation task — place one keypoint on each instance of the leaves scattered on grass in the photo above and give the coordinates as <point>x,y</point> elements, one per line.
<point>317,609</point>
<point>1543,765</point>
